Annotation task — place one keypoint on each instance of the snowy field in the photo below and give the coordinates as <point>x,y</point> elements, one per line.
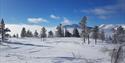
<point>54,50</point>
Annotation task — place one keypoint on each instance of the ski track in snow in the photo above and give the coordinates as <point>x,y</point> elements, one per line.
<point>54,50</point>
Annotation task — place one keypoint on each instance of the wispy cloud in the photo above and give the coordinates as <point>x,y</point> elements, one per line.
<point>102,13</point>
<point>36,20</point>
<point>54,17</point>
<point>66,21</point>
<point>107,11</point>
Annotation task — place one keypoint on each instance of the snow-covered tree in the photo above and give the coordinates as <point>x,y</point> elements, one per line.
<point>29,33</point>
<point>3,30</point>
<point>36,33</point>
<point>60,31</point>
<point>43,33</point>
<point>67,33</point>
<point>76,32</point>
<point>23,32</point>
<point>50,34</point>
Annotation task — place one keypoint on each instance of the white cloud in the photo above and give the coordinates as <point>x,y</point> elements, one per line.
<point>102,13</point>
<point>103,17</point>
<point>36,20</point>
<point>54,17</point>
<point>107,11</point>
<point>66,21</point>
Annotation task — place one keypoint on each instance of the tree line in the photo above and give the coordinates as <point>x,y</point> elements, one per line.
<point>85,33</point>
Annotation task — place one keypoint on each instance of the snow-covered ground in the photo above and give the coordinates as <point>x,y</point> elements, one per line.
<point>54,50</point>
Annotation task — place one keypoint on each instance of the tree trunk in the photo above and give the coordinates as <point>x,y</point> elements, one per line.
<point>88,39</point>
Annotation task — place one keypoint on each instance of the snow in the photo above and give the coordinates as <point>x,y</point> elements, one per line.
<point>54,50</point>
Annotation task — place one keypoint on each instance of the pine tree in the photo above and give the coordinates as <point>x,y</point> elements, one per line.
<point>43,33</point>
<point>36,33</point>
<point>60,31</point>
<point>76,33</point>
<point>50,34</point>
<point>23,32</point>
<point>67,33</point>
<point>3,30</point>
<point>29,33</point>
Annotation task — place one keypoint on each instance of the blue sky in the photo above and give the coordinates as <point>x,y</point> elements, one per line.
<point>53,12</point>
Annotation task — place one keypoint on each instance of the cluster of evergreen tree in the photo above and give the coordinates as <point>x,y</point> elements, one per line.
<point>28,33</point>
<point>25,33</point>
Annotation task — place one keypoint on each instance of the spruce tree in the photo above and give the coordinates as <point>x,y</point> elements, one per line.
<point>76,33</point>
<point>43,33</point>
<point>67,33</point>
<point>3,30</point>
<point>50,34</point>
<point>23,32</point>
<point>36,33</point>
<point>60,32</point>
<point>29,33</point>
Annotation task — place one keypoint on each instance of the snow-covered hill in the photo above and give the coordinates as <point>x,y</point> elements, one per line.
<point>110,26</point>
